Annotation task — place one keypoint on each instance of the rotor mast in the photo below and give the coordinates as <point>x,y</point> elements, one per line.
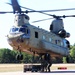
<point>56,25</point>
<point>21,19</point>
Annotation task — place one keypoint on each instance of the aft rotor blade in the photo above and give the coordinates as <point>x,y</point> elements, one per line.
<point>68,16</point>
<point>42,20</point>
<point>55,10</point>
<point>64,16</point>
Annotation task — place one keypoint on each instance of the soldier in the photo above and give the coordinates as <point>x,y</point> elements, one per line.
<point>47,58</point>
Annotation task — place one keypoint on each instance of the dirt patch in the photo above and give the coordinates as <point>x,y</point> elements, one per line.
<point>11,67</point>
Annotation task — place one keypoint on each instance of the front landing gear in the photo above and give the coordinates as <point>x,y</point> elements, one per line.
<point>19,56</point>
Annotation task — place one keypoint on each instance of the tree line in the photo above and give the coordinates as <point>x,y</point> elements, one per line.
<point>9,56</point>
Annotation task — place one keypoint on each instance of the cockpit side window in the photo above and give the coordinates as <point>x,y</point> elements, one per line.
<point>24,30</point>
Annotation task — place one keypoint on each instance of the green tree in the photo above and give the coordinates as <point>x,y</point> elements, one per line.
<point>72,53</point>
<point>27,58</point>
<point>64,60</point>
<point>5,56</point>
<point>13,56</point>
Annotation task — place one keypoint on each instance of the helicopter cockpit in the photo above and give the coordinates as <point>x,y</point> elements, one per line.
<point>14,30</point>
<point>20,30</point>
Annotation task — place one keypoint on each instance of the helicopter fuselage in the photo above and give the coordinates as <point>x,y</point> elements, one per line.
<point>29,38</point>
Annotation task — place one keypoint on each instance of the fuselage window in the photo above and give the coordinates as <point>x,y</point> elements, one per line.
<point>27,31</point>
<point>43,37</point>
<point>36,34</point>
<point>56,41</point>
<point>50,39</point>
<point>61,43</point>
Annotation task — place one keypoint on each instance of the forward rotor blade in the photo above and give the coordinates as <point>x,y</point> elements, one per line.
<point>4,12</point>
<point>15,6</point>
<point>35,11</point>
<point>42,20</point>
<point>55,10</point>
<point>42,11</point>
<point>30,9</point>
<point>15,3</point>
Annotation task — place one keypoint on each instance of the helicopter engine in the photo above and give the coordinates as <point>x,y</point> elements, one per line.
<point>63,34</point>
<point>67,35</point>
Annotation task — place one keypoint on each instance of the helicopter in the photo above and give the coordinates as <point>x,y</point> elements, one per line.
<point>28,38</point>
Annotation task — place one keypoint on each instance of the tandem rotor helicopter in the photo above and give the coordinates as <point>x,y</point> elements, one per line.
<point>33,40</point>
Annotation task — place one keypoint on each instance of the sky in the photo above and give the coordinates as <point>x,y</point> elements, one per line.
<point>7,20</point>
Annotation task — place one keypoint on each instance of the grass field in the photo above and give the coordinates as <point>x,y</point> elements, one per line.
<point>19,67</point>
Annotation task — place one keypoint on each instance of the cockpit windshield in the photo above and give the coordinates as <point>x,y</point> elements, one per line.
<point>21,29</point>
<point>12,30</point>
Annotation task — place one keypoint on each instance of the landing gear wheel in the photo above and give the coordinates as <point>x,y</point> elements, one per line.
<point>19,57</point>
<point>67,59</point>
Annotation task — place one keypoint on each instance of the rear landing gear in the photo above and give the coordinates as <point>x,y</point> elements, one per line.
<point>67,59</point>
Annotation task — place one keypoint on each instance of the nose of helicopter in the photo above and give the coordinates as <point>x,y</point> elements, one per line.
<point>18,39</point>
<point>18,36</point>
<point>13,37</point>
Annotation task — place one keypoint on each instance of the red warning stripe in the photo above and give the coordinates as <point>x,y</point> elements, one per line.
<point>62,67</point>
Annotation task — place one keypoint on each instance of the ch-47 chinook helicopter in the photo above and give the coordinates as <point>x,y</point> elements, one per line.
<point>33,40</point>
